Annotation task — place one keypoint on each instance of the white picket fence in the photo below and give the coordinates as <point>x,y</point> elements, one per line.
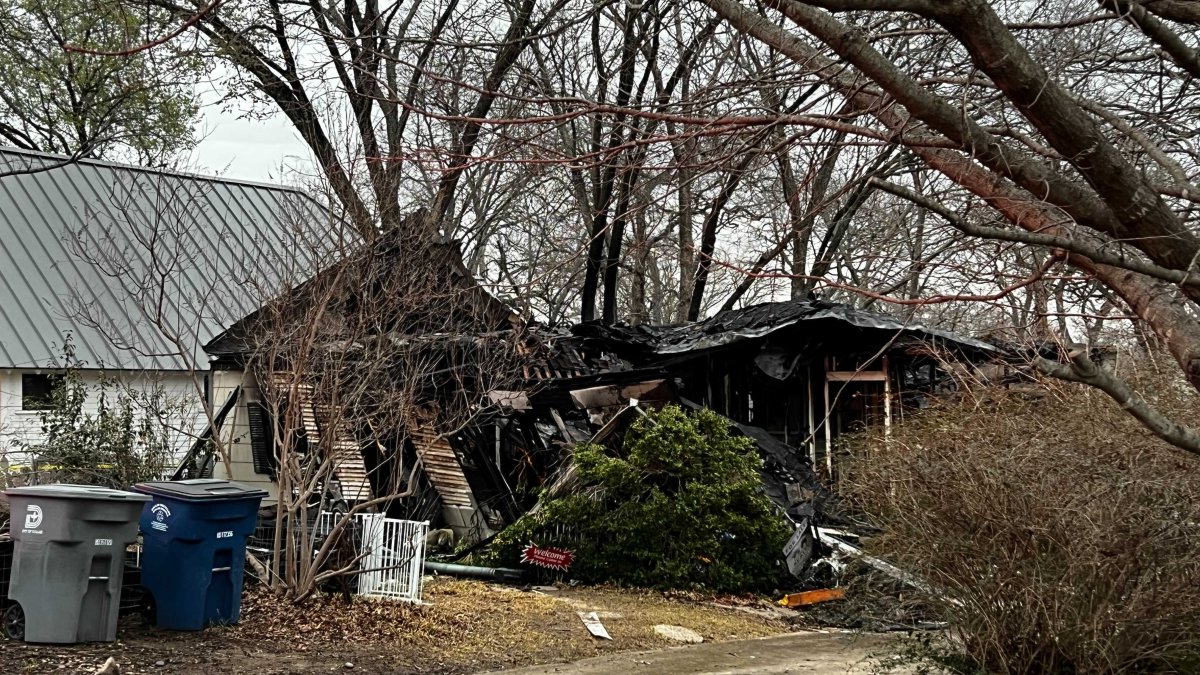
<point>391,554</point>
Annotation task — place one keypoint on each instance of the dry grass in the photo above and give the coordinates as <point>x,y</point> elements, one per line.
<point>469,625</point>
<point>640,611</point>
<point>1059,535</point>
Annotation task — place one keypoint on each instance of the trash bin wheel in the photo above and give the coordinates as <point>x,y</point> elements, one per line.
<point>14,622</point>
<point>147,609</point>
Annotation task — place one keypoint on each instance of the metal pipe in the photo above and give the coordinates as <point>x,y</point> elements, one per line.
<point>498,573</point>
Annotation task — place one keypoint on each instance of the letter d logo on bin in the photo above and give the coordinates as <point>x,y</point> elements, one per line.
<point>33,517</point>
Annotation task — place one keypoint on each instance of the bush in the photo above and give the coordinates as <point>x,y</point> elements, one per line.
<point>126,440</point>
<point>681,507</point>
<point>1057,534</point>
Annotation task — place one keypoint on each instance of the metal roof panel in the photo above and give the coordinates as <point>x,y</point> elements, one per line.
<point>87,246</point>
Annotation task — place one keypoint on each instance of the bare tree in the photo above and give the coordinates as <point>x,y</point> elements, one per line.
<point>393,339</point>
<point>1058,158</point>
<point>907,152</point>
<point>371,67</point>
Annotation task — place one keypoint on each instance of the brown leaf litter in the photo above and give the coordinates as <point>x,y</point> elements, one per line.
<point>464,626</point>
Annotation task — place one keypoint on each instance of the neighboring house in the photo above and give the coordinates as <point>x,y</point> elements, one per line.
<point>140,267</point>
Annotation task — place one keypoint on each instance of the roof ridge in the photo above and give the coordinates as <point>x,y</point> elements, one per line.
<point>68,160</point>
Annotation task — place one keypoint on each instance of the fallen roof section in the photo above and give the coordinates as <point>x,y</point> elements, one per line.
<point>761,320</point>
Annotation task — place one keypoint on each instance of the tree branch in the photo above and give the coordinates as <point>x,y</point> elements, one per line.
<point>1072,245</point>
<point>1179,11</point>
<point>1155,302</point>
<point>180,30</point>
<point>1081,369</point>
<point>914,6</point>
<point>1140,16</point>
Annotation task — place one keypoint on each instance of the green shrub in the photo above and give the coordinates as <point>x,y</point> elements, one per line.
<point>126,440</point>
<point>681,506</point>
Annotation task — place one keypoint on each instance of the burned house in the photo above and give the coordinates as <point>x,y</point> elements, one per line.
<point>348,375</point>
<point>791,375</point>
<point>804,371</point>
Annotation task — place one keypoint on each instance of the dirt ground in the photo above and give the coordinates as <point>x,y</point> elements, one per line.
<point>465,627</point>
<point>812,653</point>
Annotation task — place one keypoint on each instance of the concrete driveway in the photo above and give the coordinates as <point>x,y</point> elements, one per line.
<point>834,653</point>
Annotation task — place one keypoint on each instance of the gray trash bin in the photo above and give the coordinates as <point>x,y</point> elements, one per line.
<point>68,561</point>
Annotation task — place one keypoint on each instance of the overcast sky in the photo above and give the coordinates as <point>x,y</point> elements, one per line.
<point>247,149</point>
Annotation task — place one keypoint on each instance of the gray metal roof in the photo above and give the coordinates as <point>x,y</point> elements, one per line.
<point>119,257</point>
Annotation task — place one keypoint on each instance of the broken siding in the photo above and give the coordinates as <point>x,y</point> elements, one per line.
<point>442,467</point>
<point>348,466</point>
<point>350,471</point>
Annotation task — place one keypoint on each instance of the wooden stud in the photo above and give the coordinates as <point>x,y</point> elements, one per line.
<point>811,438</point>
<point>829,362</point>
<point>887,398</point>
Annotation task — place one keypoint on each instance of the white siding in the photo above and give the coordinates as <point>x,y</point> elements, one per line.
<point>22,428</point>
<point>235,433</point>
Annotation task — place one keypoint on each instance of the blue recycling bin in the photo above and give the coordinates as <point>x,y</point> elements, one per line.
<point>194,549</point>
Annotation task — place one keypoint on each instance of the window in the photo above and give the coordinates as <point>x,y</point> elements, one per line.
<point>37,391</point>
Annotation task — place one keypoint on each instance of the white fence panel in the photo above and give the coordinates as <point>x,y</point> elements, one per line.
<point>391,554</point>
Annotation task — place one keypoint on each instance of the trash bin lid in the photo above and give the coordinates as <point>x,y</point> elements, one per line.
<point>200,489</point>
<point>68,491</point>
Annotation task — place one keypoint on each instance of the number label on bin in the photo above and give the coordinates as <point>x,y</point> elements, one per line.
<point>104,542</point>
<point>227,534</point>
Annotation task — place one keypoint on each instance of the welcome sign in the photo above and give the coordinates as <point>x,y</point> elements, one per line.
<point>550,557</point>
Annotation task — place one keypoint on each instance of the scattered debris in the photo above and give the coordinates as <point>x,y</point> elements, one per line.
<point>679,634</point>
<point>790,375</point>
<point>592,621</point>
<point>799,548</point>
<point>831,538</point>
<point>440,540</point>
<point>812,597</point>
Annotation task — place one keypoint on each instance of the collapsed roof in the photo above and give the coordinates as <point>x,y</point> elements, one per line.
<point>422,282</point>
<point>759,321</point>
